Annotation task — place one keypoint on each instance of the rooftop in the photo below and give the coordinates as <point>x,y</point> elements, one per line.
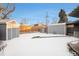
<point>4,21</point>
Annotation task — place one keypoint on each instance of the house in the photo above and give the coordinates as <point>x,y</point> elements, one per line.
<point>8,29</point>
<point>24,28</point>
<point>73,28</point>
<point>38,28</point>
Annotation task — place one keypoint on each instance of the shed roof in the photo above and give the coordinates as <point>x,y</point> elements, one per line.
<point>74,22</point>
<point>5,21</point>
<point>58,24</point>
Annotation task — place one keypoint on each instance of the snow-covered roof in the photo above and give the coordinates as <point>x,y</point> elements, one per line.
<point>4,21</point>
<point>74,22</point>
<point>58,24</point>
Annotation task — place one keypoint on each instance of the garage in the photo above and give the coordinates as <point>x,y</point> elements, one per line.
<point>8,29</point>
<point>59,28</point>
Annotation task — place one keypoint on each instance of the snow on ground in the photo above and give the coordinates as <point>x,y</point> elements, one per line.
<point>26,46</point>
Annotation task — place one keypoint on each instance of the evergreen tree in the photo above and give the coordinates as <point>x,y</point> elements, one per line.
<point>75,12</point>
<point>63,17</point>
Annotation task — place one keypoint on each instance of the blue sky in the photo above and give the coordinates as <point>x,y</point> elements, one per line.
<point>36,12</point>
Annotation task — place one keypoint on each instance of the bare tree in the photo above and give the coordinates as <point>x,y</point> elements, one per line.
<point>24,21</point>
<point>1,7</point>
<point>8,9</point>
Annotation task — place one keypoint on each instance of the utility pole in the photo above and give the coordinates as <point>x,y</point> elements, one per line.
<point>47,22</point>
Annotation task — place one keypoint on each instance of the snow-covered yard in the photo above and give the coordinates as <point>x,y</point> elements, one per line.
<point>26,46</point>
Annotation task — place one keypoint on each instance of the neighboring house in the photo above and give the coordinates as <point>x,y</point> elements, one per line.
<point>73,28</point>
<point>24,28</point>
<point>38,28</point>
<point>8,29</point>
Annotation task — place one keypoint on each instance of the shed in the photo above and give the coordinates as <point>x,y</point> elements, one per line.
<point>8,29</point>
